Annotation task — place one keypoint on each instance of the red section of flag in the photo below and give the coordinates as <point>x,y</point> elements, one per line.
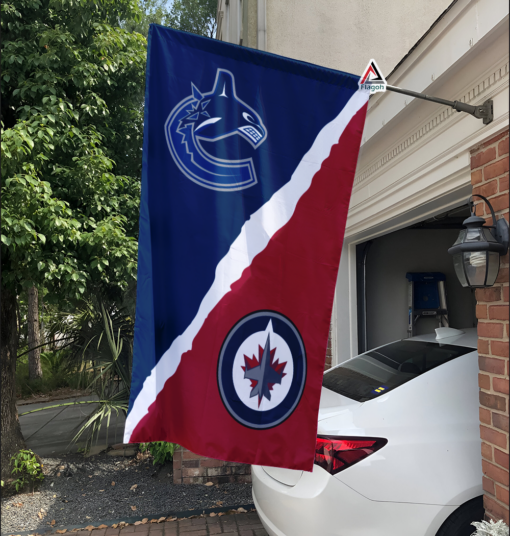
<point>294,275</point>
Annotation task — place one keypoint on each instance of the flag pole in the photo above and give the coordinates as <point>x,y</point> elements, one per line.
<point>484,111</point>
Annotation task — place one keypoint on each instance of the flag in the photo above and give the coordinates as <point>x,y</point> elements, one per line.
<point>248,166</point>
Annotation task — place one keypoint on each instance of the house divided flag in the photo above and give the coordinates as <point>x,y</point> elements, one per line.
<point>248,166</point>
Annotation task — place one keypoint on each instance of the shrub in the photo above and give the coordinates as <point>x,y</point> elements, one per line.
<point>484,528</point>
<point>161,451</point>
<point>26,468</point>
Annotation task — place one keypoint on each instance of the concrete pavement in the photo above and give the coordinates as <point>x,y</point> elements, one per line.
<point>50,432</point>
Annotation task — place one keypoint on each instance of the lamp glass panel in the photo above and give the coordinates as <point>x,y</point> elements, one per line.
<point>493,269</point>
<point>488,236</point>
<point>461,237</point>
<point>475,264</point>
<point>459,269</point>
<point>474,235</point>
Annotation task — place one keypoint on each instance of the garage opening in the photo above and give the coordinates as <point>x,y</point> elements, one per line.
<point>382,286</point>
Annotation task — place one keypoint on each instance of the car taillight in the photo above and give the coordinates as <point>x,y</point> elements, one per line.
<point>334,454</point>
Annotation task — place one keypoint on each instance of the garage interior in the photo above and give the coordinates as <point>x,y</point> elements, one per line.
<point>382,287</point>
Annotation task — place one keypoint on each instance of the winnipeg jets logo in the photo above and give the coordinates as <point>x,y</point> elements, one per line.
<point>212,117</point>
<point>262,369</point>
<point>263,373</point>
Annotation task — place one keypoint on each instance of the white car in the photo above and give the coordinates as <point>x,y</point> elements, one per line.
<point>398,449</point>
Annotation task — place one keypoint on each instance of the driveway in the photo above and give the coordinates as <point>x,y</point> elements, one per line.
<point>50,432</point>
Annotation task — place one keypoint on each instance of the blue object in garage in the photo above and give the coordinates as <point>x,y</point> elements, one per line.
<point>426,297</point>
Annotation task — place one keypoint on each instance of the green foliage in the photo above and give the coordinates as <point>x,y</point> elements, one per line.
<point>161,451</point>
<point>72,103</point>
<point>26,468</point>
<point>50,382</point>
<point>152,12</point>
<point>196,16</point>
<point>105,341</point>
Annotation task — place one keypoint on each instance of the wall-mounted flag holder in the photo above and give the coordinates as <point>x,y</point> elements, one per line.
<point>484,111</point>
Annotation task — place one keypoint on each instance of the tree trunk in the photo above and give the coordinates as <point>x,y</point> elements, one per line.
<point>34,339</point>
<point>12,439</point>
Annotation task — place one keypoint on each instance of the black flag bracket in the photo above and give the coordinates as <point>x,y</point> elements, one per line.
<point>484,111</point>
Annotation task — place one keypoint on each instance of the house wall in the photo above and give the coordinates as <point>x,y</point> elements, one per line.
<point>346,35</point>
<point>489,176</point>
<point>389,259</point>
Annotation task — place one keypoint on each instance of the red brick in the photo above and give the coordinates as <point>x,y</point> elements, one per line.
<point>210,462</point>
<point>481,312</point>
<point>500,421</point>
<point>486,189</point>
<point>484,382</point>
<point>488,485</point>
<point>495,509</point>
<point>499,348</point>
<point>502,494</point>
<point>502,276</point>
<point>503,184</point>
<point>490,364</point>
<point>499,203</point>
<point>476,177</point>
<point>191,463</point>
<point>495,170</point>
<point>500,385</point>
<point>497,312</point>
<point>506,293</point>
<point>490,330</point>
<point>492,401</point>
<point>483,157</point>
<point>494,472</point>
<point>493,436</point>
<point>491,294</point>
<point>492,141</point>
<point>193,471</point>
<point>503,147</point>
<point>485,416</point>
<point>188,455</point>
<point>483,346</point>
<point>501,458</point>
<point>487,451</point>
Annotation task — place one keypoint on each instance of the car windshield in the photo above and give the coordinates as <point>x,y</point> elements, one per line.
<point>369,375</point>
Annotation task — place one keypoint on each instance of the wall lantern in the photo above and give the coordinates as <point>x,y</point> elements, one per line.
<point>478,248</point>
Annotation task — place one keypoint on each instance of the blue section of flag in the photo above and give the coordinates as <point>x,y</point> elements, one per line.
<point>193,224</point>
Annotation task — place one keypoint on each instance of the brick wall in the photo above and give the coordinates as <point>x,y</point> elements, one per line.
<point>489,176</point>
<point>191,468</point>
<point>329,351</point>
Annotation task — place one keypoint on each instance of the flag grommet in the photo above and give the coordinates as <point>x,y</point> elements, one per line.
<point>262,370</point>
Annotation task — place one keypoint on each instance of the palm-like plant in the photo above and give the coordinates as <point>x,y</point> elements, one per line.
<point>98,342</point>
<point>110,370</point>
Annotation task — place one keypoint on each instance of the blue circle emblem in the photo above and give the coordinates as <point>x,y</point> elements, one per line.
<point>262,370</point>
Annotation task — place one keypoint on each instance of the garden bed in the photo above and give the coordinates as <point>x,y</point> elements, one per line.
<point>78,490</point>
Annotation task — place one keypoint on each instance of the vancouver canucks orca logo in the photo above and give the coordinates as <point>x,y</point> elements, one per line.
<point>212,117</point>
<point>262,370</point>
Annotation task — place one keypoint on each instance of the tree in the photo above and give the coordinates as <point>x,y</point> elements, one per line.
<point>151,12</point>
<point>196,16</point>
<point>34,354</point>
<point>72,87</point>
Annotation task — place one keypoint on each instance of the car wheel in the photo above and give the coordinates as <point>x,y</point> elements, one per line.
<point>459,523</point>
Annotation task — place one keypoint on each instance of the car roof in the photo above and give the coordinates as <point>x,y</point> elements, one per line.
<point>467,337</point>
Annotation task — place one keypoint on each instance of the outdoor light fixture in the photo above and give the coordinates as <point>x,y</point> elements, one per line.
<point>478,248</point>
